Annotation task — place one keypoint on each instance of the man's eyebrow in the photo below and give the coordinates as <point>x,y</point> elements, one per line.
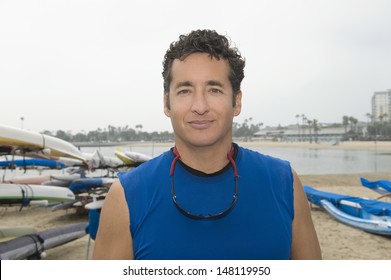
<point>214,83</point>
<point>184,84</point>
<point>190,84</point>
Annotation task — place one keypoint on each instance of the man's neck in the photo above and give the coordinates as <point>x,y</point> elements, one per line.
<point>208,159</point>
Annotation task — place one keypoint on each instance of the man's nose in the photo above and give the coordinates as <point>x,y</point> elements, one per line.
<point>200,103</point>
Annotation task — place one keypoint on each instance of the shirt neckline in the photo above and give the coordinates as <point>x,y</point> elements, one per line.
<point>214,174</point>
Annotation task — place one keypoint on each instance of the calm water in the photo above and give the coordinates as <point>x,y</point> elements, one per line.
<point>304,161</point>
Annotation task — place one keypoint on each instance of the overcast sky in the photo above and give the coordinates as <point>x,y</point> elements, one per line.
<point>81,65</point>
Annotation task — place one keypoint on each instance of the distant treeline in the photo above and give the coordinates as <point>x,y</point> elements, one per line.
<point>113,134</point>
<point>380,130</point>
<point>125,134</point>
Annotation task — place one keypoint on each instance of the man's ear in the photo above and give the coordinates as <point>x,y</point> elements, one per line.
<point>238,103</point>
<point>166,102</point>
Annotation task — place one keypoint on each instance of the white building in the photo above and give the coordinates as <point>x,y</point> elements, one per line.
<point>381,106</point>
<point>293,133</point>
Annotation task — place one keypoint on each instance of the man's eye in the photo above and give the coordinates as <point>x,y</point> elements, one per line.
<point>183,91</point>
<point>215,90</point>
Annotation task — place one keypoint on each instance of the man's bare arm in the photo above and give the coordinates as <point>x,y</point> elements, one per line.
<point>305,244</point>
<point>114,240</point>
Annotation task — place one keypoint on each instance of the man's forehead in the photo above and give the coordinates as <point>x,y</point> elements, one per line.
<point>200,62</point>
<point>199,55</point>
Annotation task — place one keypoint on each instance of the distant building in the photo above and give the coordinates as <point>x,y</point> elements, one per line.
<point>381,106</point>
<point>293,133</point>
<point>326,133</point>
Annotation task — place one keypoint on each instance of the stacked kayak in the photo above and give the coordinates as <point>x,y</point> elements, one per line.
<point>32,246</point>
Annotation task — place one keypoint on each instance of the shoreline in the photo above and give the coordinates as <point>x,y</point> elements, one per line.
<point>347,145</point>
<point>379,146</point>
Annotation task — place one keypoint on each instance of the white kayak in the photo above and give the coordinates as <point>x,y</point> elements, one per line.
<point>97,160</point>
<point>137,157</point>
<point>66,177</point>
<point>130,157</point>
<point>18,193</point>
<point>10,232</point>
<point>16,139</point>
<point>124,158</point>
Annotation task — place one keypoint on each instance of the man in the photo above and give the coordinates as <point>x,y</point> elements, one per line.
<point>207,198</point>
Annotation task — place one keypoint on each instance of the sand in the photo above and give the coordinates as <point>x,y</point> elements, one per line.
<point>337,241</point>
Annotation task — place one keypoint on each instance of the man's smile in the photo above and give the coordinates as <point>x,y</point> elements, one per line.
<point>200,124</point>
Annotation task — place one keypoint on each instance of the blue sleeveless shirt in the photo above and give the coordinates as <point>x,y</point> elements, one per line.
<point>258,227</point>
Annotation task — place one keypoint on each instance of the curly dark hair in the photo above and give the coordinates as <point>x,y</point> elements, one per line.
<point>204,41</point>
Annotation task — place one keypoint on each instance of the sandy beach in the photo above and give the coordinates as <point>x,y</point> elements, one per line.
<point>337,241</point>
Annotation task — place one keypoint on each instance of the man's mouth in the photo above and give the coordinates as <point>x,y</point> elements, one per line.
<point>200,124</point>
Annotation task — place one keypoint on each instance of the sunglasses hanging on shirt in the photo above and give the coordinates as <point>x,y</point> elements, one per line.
<point>210,216</point>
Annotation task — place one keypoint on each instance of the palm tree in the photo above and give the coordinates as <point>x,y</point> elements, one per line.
<point>316,127</point>
<point>345,123</point>
<point>353,122</point>
<point>309,122</point>
<point>382,117</point>
<point>369,117</point>
<point>298,126</point>
<point>303,119</point>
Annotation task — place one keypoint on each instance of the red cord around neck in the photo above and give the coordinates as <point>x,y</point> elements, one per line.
<point>229,157</point>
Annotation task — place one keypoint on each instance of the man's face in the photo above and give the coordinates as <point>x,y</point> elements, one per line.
<point>200,101</point>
